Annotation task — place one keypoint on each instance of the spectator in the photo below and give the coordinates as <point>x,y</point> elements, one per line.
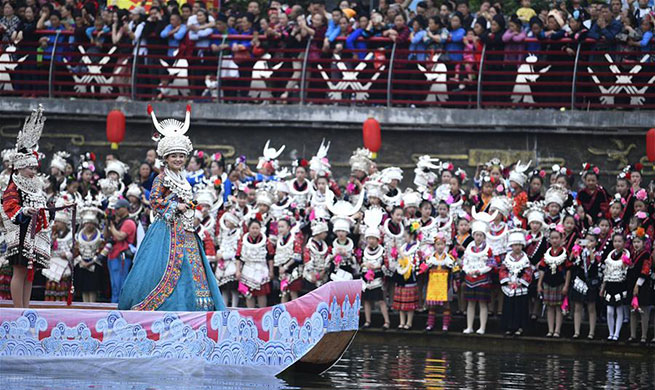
<point>437,35</point>
<point>174,32</point>
<point>353,42</point>
<point>525,13</point>
<point>642,10</point>
<point>9,22</point>
<point>454,46</point>
<point>121,231</point>
<point>604,29</point>
<point>466,19</point>
<point>493,39</point>
<point>186,12</point>
<point>513,38</point>
<point>418,46</point>
<point>199,35</point>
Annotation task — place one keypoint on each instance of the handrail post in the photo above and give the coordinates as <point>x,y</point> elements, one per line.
<point>303,72</point>
<point>134,60</point>
<point>390,74</point>
<point>479,97</point>
<point>575,75</point>
<point>219,69</point>
<point>52,63</point>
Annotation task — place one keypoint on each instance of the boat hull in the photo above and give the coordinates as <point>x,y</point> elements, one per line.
<point>308,334</point>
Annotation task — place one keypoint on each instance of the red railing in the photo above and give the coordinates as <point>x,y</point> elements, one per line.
<point>552,74</point>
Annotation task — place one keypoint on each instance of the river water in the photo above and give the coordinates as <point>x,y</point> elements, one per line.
<point>386,366</point>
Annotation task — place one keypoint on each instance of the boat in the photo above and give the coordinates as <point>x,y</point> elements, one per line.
<point>308,334</point>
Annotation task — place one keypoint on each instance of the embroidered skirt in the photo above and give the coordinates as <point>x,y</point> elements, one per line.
<point>405,298</point>
<point>553,295</point>
<point>616,294</point>
<point>477,294</point>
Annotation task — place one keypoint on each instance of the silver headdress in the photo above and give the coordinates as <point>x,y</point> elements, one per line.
<point>90,211</point>
<point>171,137</point>
<point>270,155</point>
<point>27,142</point>
<point>59,160</point>
<point>518,173</point>
<point>342,211</point>
<point>361,160</point>
<point>320,163</point>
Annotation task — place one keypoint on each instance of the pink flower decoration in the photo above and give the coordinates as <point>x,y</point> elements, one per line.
<point>467,217</point>
<point>358,252</point>
<point>420,237</point>
<point>576,217</point>
<point>201,154</point>
<point>423,268</point>
<point>635,304</point>
<point>324,160</point>
<point>500,188</point>
<point>626,259</point>
<point>293,205</point>
<point>221,264</point>
<point>370,275</point>
<point>596,170</point>
<point>312,215</point>
<point>450,199</point>
<point>243,289</point>
<point>394,252</point>
<point>454,252</point>
<point>430,197</point>
<point>641,215</point>
<point>565,305</point>
<point>350,188</point>
<point>560,228</point>
<point>337,259</point>
<point>246,189</point>
<point>284,285</point>
<point>641,194</point>
<point>542,173</point>
<point>596,230</point>
<point>576,250</point>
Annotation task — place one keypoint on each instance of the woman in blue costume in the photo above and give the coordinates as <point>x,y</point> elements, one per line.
<point>171,271</point>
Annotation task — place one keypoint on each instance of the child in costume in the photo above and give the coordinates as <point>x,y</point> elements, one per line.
<point>373,258</point>
<point>440,282</point>
<point>406,291</point>
<point>515,277</point>
<point>639,285</point>
<point>255,268</point>
<point>288,259</point>
<point>229,235</point>
<point>316,256</point>
<point>476,267</point>
<point>586,276</point>
<point>554,278</point>
<point>614,289</point>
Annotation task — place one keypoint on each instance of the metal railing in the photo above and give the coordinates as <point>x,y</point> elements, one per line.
<point>533,74</point>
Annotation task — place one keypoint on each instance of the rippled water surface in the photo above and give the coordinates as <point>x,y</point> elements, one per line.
<point>385,366</point>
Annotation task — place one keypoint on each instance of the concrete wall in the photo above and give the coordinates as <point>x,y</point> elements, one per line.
<point>466,137</point>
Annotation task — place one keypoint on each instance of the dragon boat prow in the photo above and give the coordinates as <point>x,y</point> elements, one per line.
<point>308,334</point>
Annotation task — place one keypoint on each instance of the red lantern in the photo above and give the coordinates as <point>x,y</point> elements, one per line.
<point>115,128</point>
<point>372,135</point>
<point>650,145</point>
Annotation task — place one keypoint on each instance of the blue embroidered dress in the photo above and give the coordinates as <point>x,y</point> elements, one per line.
<point>171,271</point>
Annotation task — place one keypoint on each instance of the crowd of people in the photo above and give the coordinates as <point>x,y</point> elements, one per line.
<point>418,28</point>
<point>514,241</point>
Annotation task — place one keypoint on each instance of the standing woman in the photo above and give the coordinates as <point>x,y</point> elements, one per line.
<point>23,203</point>
<point>171,271</point>
<point>554,279</point>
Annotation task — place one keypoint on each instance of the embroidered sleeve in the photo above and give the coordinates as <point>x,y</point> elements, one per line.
<point>503,274</point>
<point>297,248</point>
<point>645,268</point>
<point>11,204</point>
<point>162,201</point>
<point>526,278</point>
<point>270,250</point>
<point>239,248</point>
<point>208,243</point>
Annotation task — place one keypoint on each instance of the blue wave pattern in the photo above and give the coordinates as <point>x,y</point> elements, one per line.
<point>238,336</point>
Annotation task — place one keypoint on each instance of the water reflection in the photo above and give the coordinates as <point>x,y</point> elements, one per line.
<point>388,366</point>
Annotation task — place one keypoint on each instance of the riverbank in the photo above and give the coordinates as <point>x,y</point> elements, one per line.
<point>533,340</point>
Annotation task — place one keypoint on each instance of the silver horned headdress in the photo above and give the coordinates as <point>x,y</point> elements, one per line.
<point>27,142</point>
<point>171,134</point>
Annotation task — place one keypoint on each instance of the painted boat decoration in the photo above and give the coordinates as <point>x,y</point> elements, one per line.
<point>308,334</point>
